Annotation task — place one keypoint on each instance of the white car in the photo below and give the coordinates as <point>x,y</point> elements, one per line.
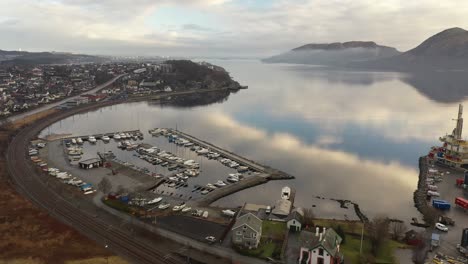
<point>441,227</point>
<point>210,239</point>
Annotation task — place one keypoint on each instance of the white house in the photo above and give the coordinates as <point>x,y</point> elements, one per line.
<point>320,248</point>
<point>295,220</point>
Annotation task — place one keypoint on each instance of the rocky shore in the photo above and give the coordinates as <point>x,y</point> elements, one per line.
<point>419,195</point>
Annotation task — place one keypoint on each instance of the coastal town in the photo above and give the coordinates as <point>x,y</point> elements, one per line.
<point>26,87</point>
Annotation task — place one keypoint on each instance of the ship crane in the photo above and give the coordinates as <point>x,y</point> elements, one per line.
<point>457,131</point>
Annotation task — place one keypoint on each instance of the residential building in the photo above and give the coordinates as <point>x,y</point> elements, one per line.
<point>247,231</point>
<point>320,248</point>
<point>295,220</point>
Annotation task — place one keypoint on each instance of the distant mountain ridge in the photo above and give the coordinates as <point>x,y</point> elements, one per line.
<point>446,50</point>
<point>337,53</point>
<point>340,45</point>
<point>25,57</point>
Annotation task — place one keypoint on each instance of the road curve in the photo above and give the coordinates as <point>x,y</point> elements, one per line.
<point>52,105</point>
<point>25,179</point>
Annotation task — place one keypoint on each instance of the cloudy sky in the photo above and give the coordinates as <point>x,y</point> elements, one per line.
<point>218,27</point>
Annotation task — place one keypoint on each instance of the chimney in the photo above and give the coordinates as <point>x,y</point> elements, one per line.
<point>323,231</point>
<point>320,239</point>
<point>316,231</point>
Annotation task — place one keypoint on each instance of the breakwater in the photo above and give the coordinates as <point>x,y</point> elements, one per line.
<point>420,194</point>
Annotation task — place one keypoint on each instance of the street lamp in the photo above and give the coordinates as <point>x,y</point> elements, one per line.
<point>362,237</point>
<point>107,257</point>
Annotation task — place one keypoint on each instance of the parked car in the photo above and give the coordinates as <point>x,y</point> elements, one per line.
<point>210,239</point>
<point>441,227</point>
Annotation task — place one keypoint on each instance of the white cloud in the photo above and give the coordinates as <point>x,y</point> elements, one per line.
<point>239,28</point>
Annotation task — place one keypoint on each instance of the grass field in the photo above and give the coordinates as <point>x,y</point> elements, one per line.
<point>272,229</point>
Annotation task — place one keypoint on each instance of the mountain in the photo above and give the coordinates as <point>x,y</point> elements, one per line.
<point>446,51</point>
<point>24,58</point>
<point>337,54</point>
<point>452,42</point>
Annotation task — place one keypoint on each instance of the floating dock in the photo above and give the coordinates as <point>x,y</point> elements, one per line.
<point>85,137</point>
<point>261,175</point>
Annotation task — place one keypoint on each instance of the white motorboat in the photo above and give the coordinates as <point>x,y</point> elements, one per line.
<point>205,192</point>
<point>128,135</point>
<point>79,141</point>
<point>192,172</point>
<point>172,184</point>
<point>184,177</point>
<point>123,136</point>
<point>164,206</point>
<point>186,209</point>
<point>73,141</point>
<point>116,136</point>
<point>233,164</point>
<point>155,200</point>
<point>242,169</point>
<point>173,178</point>
<point>92,139</point>
<point>232,179</point>
<point>178,207</point>
<point>211,186</point>
<point>235,175</point>
<point>285,193</point>
<point>220,183</point>
<point>202,151</point>
<point>105,138</point>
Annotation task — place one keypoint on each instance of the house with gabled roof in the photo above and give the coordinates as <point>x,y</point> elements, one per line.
<point>247,231</point>
<point>320,248</point>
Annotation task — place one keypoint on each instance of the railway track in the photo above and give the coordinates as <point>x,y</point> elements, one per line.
<point>27,182</point>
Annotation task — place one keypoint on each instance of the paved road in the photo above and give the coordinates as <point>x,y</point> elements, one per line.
<point>52,105</point>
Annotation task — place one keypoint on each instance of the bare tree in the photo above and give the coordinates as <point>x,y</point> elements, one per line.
<point>377,231</point>
<point>105,185</point>
<point>308,217</point>
<point>397,229</point>
<point>420,250</point>
<point>430,216</point>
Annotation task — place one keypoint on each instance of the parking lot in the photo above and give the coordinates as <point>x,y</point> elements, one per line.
<point>449,191</point>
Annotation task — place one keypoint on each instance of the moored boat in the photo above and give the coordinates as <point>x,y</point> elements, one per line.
<point>164,206</point>
<point>220,183</point>
<point>285,193</point>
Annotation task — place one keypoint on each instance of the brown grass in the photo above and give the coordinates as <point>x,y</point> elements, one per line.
<point>28,234</point>
<point>32,118</point>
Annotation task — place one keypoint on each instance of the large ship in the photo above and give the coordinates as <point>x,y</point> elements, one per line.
<point>454,151</point>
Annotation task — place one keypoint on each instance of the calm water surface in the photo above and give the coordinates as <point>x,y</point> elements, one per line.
<point>346,135</point>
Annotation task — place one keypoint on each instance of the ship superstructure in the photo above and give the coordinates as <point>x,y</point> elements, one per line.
<point>454,151</point>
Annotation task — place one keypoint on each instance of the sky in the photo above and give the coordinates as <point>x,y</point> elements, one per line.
<point>227,28</point>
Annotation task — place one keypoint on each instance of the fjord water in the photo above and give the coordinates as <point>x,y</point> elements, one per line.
<point>343,134</point>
